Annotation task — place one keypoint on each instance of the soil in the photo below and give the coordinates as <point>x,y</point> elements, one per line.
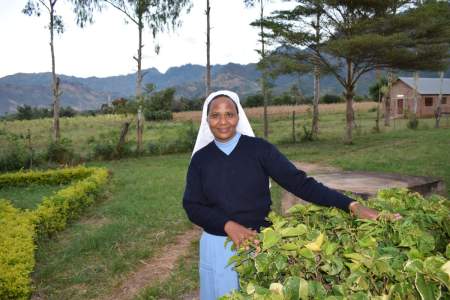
<point>155,269</point>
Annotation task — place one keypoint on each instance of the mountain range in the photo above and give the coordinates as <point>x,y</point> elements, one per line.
<point>188,80</point>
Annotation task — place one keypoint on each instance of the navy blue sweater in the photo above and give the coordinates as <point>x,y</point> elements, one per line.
<point>221,187</point>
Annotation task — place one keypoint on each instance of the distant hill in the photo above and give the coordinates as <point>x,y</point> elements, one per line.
<point>89,93</point>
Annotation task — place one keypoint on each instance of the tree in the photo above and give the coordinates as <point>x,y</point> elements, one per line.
<point>158,15</point>
<point>360,36</point>
<point>83,10</point>
<point>24,112</point>
<point>262,64</point>
<point>208,47</point>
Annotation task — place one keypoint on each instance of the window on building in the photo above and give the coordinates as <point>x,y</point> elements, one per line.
<point>428,101</point>
<point>444,100</point>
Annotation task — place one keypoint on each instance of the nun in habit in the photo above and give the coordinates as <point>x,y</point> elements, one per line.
<point>227,188</point>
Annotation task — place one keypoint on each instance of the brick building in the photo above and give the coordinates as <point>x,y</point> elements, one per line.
<point>402,96</point>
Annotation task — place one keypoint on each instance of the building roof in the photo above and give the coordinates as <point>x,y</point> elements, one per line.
<point>428,86</point>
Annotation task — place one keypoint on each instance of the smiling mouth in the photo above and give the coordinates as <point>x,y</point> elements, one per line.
<point>223,130</point>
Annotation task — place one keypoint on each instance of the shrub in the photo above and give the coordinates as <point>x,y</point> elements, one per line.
<point>158,115</point>
<point>17,252</point>
<point>105,150</point>
<point>19,229</point>
<point>51,177</point>
<point>413,121</point>
<point>323,253</point>
<point>328,98</point>
<point>14,154</point>
<point>54,212</point>
<point>60,152</point>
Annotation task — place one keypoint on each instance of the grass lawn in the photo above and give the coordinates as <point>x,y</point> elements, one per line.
<point>141,211</point>
<point>28,197</point>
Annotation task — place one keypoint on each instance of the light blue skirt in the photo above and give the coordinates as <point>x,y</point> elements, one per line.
<point>216,279</point>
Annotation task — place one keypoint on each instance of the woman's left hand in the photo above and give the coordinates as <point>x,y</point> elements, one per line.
<point>363,212</point>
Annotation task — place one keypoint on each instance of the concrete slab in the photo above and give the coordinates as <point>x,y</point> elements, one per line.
<point>364,184</point>
<point>367,184</point>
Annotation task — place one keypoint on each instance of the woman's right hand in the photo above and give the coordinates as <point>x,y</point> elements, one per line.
<point>238,233</point>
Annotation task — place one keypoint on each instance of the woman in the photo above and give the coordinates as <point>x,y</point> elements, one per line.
<point>227,188</point>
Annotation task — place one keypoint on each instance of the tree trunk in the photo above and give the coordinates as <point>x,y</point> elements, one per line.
<point>413,114</point>
<point>140,130</point>
<point>315,117</point>
<point>439,102</point>
<point>350,115</point>
<point>139,125</point>
<point>264,75</point>
<point>139,61</point>
<point>122,138</point>
<point>387,102</point>
<point>208,47</point>
<point>55,79</point>
<point>377,120</point>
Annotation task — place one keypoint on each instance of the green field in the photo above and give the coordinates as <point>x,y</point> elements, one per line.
<point>141,210</point>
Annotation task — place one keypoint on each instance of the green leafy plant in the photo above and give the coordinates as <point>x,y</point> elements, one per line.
<point>324,253</point>
<point>19,229</point>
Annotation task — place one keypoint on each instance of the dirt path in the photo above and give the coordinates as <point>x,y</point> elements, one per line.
<point>159,268</point>
<point>155,269</point>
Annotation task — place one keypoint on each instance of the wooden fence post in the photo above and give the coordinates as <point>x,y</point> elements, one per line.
<point>293,126</point>
<point>123,135</point>
<point>30,148</point>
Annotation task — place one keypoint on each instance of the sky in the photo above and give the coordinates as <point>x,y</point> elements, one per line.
<point>106,48</point>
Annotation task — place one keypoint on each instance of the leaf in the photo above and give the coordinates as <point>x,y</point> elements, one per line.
<point>291,288</point>
<point>447,251</point>
<point>367,242</point>
<point>316,290</point>
<point>317,244</point>
<point>298,230</point>
<point>424,289</point>
<point>446,268</point>
<point>355,257</point>
<point>329,248</point>
<point>306,253</point>
<point>262,262</point>
<point>414,266</point>
<point>289,246</point>
<point>432,264</point>
<point>298,208</point>
<point>250,288</point>
<point>276,287</point>
<point>270,238</point>
<point>281,262</point>
<point>333,267</point>
<point>303,289</point>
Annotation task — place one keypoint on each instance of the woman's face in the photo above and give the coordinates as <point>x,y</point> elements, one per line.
<point>223,118</point>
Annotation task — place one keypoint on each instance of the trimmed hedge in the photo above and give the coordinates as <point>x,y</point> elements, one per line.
<point>17,251</point>
<point>51,177</point>
<point>19,229</point>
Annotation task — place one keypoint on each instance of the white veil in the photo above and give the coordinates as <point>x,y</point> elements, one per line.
<point>205,135</point>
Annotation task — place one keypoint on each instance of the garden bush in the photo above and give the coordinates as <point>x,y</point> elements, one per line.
<point>13,155</point>
<point>158,115</point>
<point>17,252</point>
<point>19,229</point>
<point>60,152</point>
<point>324,253</point>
